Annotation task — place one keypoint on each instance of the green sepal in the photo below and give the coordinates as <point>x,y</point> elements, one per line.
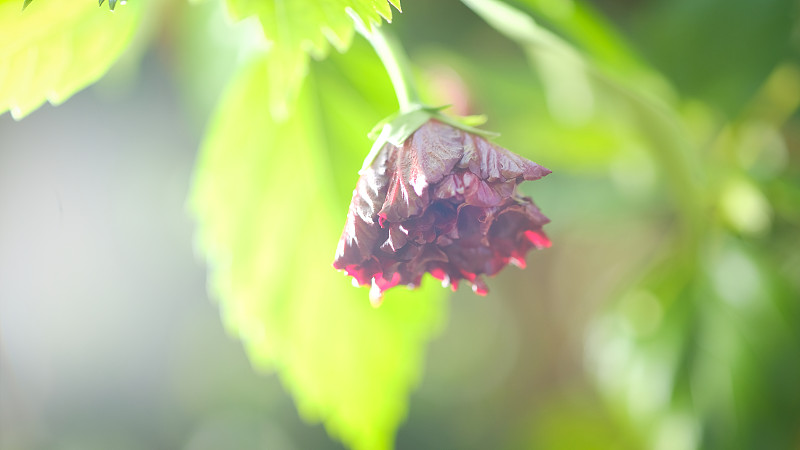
<point>396,128</point>
<point>25,4</point>
<point>475,120</point>
<point>468,124</point>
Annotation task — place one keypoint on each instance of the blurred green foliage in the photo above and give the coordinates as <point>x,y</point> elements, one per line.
<point>666,315</point>
<point>719,51</point>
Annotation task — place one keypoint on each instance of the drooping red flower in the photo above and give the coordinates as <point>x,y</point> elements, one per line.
<point>443,202</point>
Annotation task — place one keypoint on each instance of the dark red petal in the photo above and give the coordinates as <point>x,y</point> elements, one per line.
<point>538,238</point>
<point>429,255</point>
<point>357,242</point>
<point>397,239</point>
<point>483,195</point>
<point>445,216</point>
<point>449,187</point>
<point>494,163</point>
<point>362,273</point>
<point>386,283</point>
<point>479,286</point>
<point>423,160</point>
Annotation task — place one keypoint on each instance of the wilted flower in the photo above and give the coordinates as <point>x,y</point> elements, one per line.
<point>443,202</point>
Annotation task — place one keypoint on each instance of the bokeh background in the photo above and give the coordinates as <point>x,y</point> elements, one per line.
<point>666,315</point>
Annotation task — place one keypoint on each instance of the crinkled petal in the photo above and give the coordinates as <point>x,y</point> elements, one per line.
<point>445,202</point>
<point>494,163</point>
<point>423,160</point>
<point>357,242</point>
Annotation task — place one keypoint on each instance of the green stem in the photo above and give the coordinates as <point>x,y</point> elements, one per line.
<point>394,59</point>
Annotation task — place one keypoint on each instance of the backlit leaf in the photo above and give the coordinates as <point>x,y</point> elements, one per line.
<point>270,209</point>
<point>52,49</point>
<point>298,28</point>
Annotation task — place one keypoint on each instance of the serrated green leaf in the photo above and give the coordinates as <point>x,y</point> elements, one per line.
<point>299,28</point>
<point>269,217</point>
<point>52,49</point>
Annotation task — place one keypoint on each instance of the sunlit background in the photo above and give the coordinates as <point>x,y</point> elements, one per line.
<point>665,316</point>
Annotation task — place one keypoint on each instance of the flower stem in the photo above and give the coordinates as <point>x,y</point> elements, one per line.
<point>395,61</point>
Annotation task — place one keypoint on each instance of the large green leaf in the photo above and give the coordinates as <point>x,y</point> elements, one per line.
<point>52,49</point>
<point>270,205</point>
<point>297,28</point>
